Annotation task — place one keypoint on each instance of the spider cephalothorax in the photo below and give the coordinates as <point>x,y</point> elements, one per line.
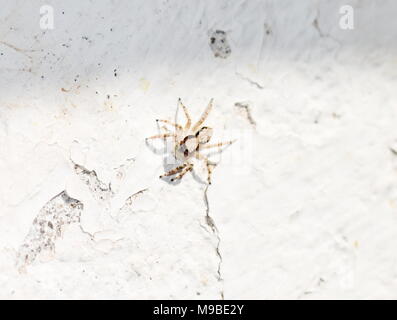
<point>189,141</point>
<point>190,144</point>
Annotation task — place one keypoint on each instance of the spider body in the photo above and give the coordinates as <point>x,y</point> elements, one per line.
<point>190,144</point>
<point>189,141</point>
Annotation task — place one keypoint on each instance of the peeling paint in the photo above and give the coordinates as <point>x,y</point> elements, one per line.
<point>47,227</point>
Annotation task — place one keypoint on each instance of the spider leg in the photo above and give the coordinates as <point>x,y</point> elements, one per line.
<point>219,144</point>
<point>174,171</point>
<point>177,126</point>
<point>189,121</point>
<point>164,135</point>
<point>188,168</point>
<point>203,116</point>
<point>165,129</point>
<point>208,163</point>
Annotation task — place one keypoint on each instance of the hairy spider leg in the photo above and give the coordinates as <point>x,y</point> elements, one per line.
<point>175,125</point>
<point>183,172</point>
<point>189,121</point>
<point>208,163</point>
<point>174,171</point>
<point>203,116</point>
<point>219,144</point>
<point>164,135</point>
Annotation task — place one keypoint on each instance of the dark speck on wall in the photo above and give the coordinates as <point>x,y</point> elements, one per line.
<point>219,44</point>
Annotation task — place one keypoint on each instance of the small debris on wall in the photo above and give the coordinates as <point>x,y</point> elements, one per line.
<point>219,44</point>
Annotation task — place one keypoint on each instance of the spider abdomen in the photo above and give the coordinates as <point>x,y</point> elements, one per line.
<point>187,146</point>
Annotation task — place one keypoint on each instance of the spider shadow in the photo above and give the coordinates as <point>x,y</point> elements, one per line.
<point>217,151</point>
<point>155,149</point>
<point>169,163</point>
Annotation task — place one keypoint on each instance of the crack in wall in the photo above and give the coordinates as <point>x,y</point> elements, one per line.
<point>62,210</point>
<point>316,25</point>
<point>59,211</point>
<point>247,109</point>
<point>100,190</point>
<point>211,223</point>
<point>313,289</point>
<point>22,51</point>
<point>267,31</point>
<point>250,81</point>
<point>129,200</point>
<point>128,207</point>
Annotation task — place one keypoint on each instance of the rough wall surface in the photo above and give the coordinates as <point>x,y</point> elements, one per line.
<point>302,206</point>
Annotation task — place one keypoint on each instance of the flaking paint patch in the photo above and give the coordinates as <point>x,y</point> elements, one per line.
<point>219,45</point>
<point>100,190</point>
<point>47,227</point>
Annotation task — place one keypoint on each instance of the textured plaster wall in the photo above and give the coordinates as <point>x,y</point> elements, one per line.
<point>303,205</point>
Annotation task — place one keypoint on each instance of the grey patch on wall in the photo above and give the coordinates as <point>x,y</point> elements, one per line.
<point>47,227</point>
<point>219,44</point>
<point>100,190</point>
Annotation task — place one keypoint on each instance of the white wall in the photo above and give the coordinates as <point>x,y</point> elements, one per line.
<point>304,203</point>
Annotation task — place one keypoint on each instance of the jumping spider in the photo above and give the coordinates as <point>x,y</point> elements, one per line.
<point>189,141</point>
